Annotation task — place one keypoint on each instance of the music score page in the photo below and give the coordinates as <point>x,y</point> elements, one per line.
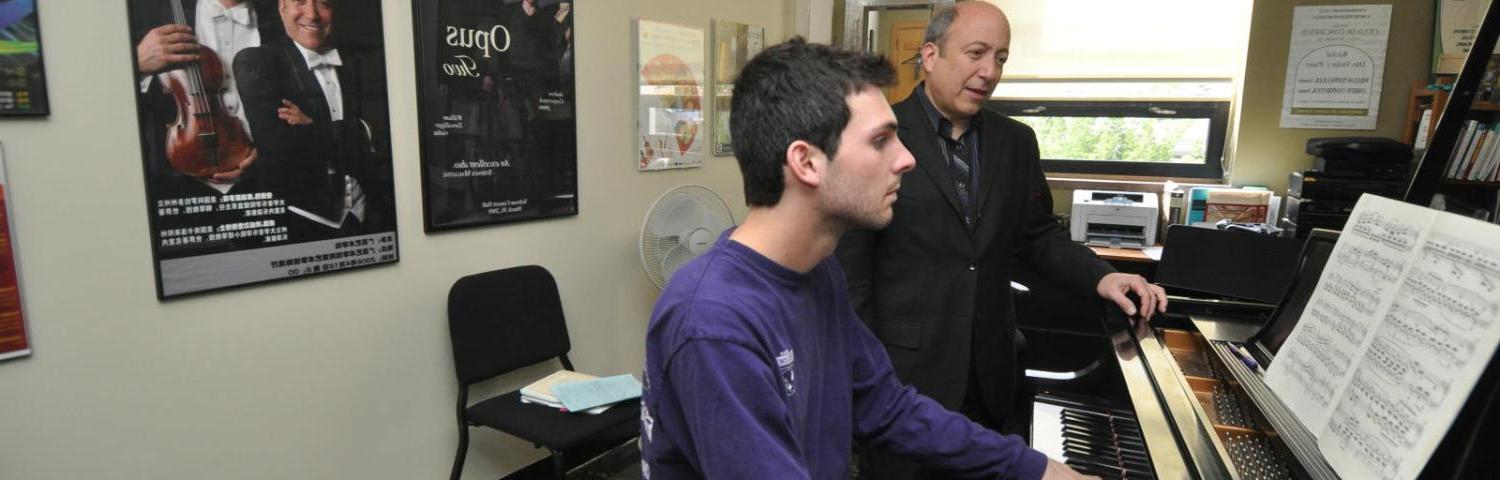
<point>1403,321</point>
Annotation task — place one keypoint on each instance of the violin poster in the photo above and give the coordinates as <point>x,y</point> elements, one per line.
<point>265,139</point>
<point>23,85</point>
<point>13,342</point>
<point>497,111</point>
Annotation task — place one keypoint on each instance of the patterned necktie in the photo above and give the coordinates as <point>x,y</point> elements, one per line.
<point>958,159</point>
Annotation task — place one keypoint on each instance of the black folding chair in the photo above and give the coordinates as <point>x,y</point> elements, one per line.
<point>506,319</point>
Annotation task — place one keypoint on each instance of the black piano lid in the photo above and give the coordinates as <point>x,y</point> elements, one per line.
<point>1314,256</point>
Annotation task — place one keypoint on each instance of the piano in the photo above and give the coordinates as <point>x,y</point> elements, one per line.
<point>1182,396</point>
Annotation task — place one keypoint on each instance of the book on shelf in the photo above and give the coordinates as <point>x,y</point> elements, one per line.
<point>1422,126</point>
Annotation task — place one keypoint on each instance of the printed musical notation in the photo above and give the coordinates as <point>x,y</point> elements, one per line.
<point>1306,374</point>
<point>1403,321</point>
<point>1370,261</point>
<point>1335,319</point>
<point>1389,232</point>
<point>1449,346</point>
<point>1357,295</point>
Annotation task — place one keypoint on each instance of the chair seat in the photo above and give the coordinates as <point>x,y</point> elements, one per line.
<point>553,428</point>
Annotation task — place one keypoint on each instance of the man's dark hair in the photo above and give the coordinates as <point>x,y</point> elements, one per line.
<point>794,91</point>
<point>937,28</point>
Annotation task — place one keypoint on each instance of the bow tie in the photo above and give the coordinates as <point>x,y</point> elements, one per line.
<point>238,14</point>
<point>326,59</point>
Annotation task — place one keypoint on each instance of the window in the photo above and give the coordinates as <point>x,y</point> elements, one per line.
<point>1132,88</point>
<point>1148,138</point>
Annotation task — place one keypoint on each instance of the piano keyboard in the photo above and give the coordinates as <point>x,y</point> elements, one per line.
<point>1092,440</point>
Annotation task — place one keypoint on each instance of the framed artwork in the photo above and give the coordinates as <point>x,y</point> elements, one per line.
<point>669,108</point>
<point>734,45</point>
<point>497,111</point>
<point>268,157</point>
<point>23,83</point>
<point>13,340</point>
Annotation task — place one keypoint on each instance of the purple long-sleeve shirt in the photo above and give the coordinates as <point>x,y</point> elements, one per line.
<point>756,371</point>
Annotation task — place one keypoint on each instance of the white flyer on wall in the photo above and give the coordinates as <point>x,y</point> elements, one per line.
<point>1335,66</point>
<point>669,117</point>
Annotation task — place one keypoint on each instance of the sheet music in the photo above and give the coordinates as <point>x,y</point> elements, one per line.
<point>1373,251</point>
<point>1421,349</point>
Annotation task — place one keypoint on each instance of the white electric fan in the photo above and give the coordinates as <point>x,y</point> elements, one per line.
<point>682,224</point>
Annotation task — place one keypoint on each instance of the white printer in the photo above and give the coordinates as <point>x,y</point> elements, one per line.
<point>1115,219</point>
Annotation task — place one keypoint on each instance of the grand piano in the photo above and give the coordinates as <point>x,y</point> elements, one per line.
<point>1183,396</point>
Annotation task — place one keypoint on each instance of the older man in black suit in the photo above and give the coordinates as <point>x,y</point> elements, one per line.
<point>934,285</point>
<point>303,101</point>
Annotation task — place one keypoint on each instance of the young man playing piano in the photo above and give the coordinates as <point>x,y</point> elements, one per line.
<point>756,366</point>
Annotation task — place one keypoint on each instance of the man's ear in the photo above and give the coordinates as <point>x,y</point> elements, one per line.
<point>930,52</point>
<point>805,163</point>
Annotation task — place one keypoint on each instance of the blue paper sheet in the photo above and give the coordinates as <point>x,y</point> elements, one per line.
<point>580,396</point>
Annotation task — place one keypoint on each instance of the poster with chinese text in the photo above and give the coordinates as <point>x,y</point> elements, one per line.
<point>23,83</point>
<point>267,151</point>
<point>669,112</point>
<point>497,111</point>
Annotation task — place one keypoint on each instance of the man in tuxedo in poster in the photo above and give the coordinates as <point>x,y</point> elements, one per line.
<point>302,99</point>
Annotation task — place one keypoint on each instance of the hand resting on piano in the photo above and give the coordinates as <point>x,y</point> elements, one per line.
<point>1058,471</point>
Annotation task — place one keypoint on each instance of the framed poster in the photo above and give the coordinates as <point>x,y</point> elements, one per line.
<point>497,111</point>
<point>268,156</point>
<point>1335,66</point>
<point>669,108</point>
<point>13,340</point>
<point>23,83</point>
<point>734,45</point>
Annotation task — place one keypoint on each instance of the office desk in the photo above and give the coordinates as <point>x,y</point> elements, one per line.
<point>1122,255</point>
<point>1128,260</point>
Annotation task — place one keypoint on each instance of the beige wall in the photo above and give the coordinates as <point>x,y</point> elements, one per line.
<point>1265,153</point>
<point>346,375</point>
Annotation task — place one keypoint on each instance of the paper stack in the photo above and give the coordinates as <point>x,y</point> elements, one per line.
<point>542,391</point>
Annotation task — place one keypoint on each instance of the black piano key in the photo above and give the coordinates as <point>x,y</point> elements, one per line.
<point>1113,427</point>
<point>1104,431</point>
<point>1122,442</point>
<point>1103,445</point>
<point>1114,457</point>
<point>1120,423</point>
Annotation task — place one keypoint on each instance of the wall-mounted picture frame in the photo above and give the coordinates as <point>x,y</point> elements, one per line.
<point>497,111</point>
<point>23,80</point>
<point>14,342</point>
<point>669,106</point>
<point>734,45</point>
<point>267,157</point>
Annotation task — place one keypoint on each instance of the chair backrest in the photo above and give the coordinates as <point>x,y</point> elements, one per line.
<point>503,320</point>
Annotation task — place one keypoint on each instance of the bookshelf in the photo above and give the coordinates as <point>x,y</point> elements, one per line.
<point>1460,168</point>
<point>1422,108</point>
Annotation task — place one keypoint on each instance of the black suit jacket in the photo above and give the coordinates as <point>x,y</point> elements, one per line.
<point>306,164</point>
<point>936,292</point>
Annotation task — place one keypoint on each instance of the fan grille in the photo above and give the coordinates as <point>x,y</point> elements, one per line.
<point>673,222</point>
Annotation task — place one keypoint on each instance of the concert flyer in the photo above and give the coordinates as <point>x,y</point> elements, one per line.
<point>497,111</point>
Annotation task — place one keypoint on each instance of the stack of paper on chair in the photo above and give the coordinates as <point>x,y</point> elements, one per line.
<point>584,395</point>
<point>542,391</point>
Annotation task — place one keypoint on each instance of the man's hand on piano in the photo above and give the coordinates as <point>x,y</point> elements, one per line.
<point>1115,287</point>
<point>1057,471</point>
